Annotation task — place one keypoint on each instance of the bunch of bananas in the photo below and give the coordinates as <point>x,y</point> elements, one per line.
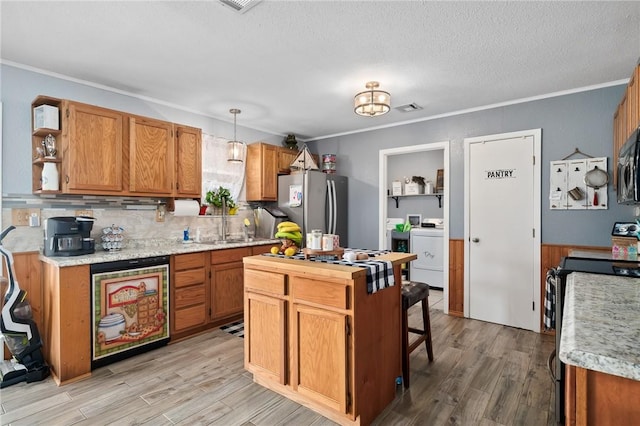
<point>290,231</point>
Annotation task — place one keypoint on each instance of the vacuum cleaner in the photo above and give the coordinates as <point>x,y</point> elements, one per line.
<point>18,330</point>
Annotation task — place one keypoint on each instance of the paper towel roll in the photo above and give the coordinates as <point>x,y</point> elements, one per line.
<point>186,208</point>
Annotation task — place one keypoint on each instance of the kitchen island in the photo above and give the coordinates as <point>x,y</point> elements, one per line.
<point>325,335</point>
<point>600,343</point>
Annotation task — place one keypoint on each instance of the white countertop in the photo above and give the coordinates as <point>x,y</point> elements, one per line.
<point>601,324</point>
<point>149,248</point>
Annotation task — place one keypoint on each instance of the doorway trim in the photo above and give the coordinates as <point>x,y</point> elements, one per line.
<point>383,157</point>
<point>536,134</point>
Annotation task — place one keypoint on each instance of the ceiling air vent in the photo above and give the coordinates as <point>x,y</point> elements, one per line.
<point>409,107</point>
<point>240,6</point>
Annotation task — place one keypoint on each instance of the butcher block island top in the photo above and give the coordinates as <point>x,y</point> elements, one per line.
<point>327,336</point>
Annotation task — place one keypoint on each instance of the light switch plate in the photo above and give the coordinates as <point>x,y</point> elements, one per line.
<point>85,212</point>
<point>161,210</point>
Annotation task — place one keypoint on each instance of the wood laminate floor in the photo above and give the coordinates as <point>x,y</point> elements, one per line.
<point>483,374</point>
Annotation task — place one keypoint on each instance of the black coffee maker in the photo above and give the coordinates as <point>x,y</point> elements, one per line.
<point>68,236</point>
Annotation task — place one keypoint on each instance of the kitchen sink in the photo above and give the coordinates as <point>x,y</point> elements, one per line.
<point>229,240</point>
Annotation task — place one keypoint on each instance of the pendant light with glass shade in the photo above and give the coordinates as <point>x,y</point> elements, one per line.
<point>235,148</point>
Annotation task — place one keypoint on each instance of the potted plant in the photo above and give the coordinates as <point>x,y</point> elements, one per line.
<point>216,198</point>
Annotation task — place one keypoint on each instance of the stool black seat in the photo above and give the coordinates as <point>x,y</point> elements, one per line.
<point>412,293</point>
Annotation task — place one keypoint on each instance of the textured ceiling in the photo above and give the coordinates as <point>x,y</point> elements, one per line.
<point>294,66</point>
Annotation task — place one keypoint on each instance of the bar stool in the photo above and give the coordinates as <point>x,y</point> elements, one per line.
<point>412,293</point>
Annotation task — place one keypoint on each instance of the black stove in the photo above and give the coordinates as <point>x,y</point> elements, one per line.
<point>628,268</point>
<point>625,268</point>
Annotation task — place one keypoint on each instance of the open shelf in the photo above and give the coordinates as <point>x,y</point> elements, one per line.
<point>437,194</point>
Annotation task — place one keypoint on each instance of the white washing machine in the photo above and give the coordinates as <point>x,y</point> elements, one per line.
<point>428,245</point>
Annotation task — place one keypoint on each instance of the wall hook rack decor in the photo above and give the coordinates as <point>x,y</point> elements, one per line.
<point>577,151</point>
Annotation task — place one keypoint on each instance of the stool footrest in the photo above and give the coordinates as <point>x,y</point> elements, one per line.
<point>415,344</point>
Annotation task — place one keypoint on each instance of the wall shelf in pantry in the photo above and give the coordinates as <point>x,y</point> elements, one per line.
<point>437,194</point>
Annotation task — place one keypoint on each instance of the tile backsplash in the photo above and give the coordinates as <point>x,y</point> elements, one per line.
<point>140,225</point>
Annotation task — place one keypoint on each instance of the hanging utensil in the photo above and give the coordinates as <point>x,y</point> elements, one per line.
<point>596,178</point>
<point>576,194</point>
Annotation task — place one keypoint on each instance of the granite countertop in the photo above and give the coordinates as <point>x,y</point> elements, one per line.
<point>601,325</point>
<point>150,248</point>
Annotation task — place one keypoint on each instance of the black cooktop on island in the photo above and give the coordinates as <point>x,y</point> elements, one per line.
<point>629,268</point>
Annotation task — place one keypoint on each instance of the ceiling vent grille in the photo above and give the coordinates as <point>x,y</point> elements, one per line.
<point>409,107</point>
<point>240,6</point>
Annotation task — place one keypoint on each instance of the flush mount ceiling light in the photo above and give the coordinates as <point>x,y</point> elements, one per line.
<point>372,102</point>
<point>235,148</point>
<point>240,6</point>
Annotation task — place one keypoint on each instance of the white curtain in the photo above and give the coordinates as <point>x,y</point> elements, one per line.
<point>217,171</point>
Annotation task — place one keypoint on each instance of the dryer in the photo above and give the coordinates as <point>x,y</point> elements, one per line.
<point>428,245</point>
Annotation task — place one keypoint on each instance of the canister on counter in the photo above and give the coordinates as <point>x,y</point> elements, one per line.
<point>327,242</point>
<point>329,163</point>
<point>314,239</point>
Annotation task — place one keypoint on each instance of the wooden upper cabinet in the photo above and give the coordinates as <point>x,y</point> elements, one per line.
<point>630,106</point>
<point>188,162</point>
<point>285,158</point>
<point>633,101</point>
<point>262,172</point>
<point>106,152</point>
<point>151,156</point>
<point>92,149</point>
<point>626,117</point>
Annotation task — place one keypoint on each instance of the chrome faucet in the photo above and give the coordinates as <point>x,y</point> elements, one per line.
<point>224,222</point>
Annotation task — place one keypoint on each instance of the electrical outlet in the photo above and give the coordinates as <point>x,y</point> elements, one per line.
<point>85,212</point>
<point>161,210</point>
<point>25,217</point>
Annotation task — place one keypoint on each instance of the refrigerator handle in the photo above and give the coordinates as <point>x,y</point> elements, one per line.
<point>330,207</point>
<point>335,207</point>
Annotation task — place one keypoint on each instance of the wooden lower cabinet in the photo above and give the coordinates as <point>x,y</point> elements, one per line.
<point>207,289</point>
<point>319,337</point>
<point>265,248</point>
<point>265,328</point>
<point>189,292</point>
<point>227,277</point>
<point>595,398</point>
<point>315,336</point>
<point>67,315</point>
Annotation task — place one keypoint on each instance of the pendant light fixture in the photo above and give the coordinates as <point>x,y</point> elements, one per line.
<point>235,148</point>
<point>372,102</point>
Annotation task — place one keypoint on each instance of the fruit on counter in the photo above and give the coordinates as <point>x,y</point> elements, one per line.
<point>296,237</point>
<point>290,251</point>
<point>295,228</point>
<point>275,250</point>
<point>287,244</point>
<point>287,224</point>
<point>290,231</point>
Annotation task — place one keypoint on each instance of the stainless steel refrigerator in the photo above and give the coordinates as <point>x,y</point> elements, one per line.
<point>315,200</point>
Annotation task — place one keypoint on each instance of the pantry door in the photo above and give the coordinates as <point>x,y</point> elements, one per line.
<point>502,229</point>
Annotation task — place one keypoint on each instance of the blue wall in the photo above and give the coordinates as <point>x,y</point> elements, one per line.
<point>583,120</point>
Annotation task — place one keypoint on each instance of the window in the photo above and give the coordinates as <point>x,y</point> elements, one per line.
<point>217,171</point>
